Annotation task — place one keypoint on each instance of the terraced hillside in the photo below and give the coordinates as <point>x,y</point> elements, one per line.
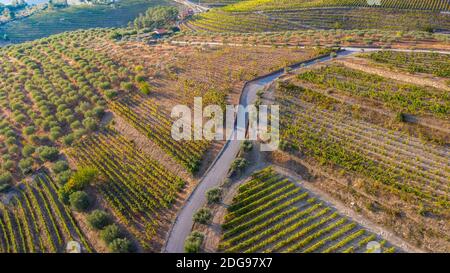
<point>329,38</point>
<point>430,63</point>
<point>271,213</point>
<point>397,173</point>
<point>138,188</point>
<point>58,97</point>
<point>56,21</point>
<point>36,221</point>
<point>395,95</point>
<point>439,5</point>
<point>271,15</point>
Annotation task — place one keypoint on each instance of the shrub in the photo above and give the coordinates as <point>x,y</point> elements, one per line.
<point>47,153</point>
<point>99,111</point>
<point>79,133</point>
<point>110,233</point>
<point>193,242</point>
<point>68,139</point>
<point>139,78</point>
<point>75,125</point>
<point>63,177</point>
<point>247,146</point>
<point>80,179</point>
<point>214,195</point>
<point>54,135</point>
<point>90,124</point>
<point>8,165</point>
<point>79,201</point>
<point>115,35</point>
<point>26,165</point>
<point>13,149</point>
<point>98,219</point>
<point>60,166</point>
<point>127,86</point>
<point>5,178</point>
<point>121,245</point>
<point>144,87</point>
<point>400,117</point>
<point>202,216</point>
<point>111,94</point>
<point>28,150</point>
<point>29,130</point>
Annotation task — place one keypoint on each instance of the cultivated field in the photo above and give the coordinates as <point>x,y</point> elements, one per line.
<point>368,129</point>
<point>329,38</point>
<point>429,63</point>
<point>271,213</point>
<point>138,188</point>
<point>276,15</point>
<point>59,93</point>
<point>36,221</point>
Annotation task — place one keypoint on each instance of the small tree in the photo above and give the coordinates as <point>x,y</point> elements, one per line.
<point>202,216</point>
<point>98,219</point>
<point>193,242</point>
<point>47,153</point>
<point>60,166</point>
<point>121,245</point>
<point>80,179</point>
<point>247,146</point>
<point>79,201</point>
<point>110,233</point>
<point>5,178</point>
<point>214,195</point>
<point>239,164</point>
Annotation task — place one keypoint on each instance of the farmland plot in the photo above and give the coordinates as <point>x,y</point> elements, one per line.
<point>392,165</point>
<point>37,221</point>
<point>270,213</point>
<point>137,188</point>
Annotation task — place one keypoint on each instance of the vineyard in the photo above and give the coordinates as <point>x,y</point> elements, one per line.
<point>271,213</point>
<point>281,15</point>
<point>36,221</point>
<point>191,72</point>
<point>430,63</point>
<point>55,93</point>
<point>392,165</point>
<point>46,104</point>
<point>252,5</point>
<point>396,96</point>
<point>138,189</point>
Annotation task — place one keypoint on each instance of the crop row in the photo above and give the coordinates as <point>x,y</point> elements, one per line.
<point>37,221</point>
<point>296,224</point>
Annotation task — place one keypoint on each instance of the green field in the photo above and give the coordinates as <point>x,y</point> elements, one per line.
<point>72,18</point>
<point>281,15</point>
<point>252,5</point>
